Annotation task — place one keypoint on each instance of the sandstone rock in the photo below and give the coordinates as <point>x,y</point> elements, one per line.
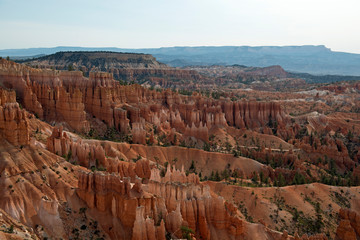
<point>64,96</point>
<point>13,120</point>
<point>349,226</point>
<point>138,133</point>
<point>345,231</point>
<point>85,154</point>
<point>153,208</point>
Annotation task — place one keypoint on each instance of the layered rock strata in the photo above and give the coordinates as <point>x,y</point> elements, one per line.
<point>349,226</point>
<point>13,119</point>
<point>68,97</point>
<point>87,155</point>
<point>162,205</point>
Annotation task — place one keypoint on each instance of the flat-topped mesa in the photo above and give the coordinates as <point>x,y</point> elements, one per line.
<point>96,60</point>
<point>13,120</point>
<point>124,66</point>
<point>160,206</point>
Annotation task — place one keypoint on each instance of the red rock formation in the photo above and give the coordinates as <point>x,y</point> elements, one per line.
<point>345,231</point>
<point>138,133</point>
<point>256,114</point>
<point>14,76</point>
<point>85,154</point>
<point>329,147</point>
<point>148,210</point>
<point>121,120</point>
<point>200,132</point>
<point>13,120</point>
<point>43,92</point>
<point>146,228</point>
<point>356,172</point>
<point>66,97</point>
<point>349,226</point>
<point>173,175</point>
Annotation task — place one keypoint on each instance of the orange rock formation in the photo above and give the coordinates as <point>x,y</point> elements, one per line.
<point>349,226</point>
<point>13,120</point>
<point>66,97</point>
<point>163,204</point>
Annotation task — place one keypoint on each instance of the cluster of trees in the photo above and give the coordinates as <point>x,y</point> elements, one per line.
<point>217,94</point>
<point>219,176</point>
<point>111,134</point>
<point>323,78</point>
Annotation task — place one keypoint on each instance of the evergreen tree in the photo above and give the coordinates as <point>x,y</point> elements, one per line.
<point>217,177</point>
<point>281,180</point>
<point>318,221</point>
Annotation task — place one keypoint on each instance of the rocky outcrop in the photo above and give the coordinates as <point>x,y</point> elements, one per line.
<point>121,120</point>
<point>174,175</point>
<point>130,170</point>
<point>162,205</point>
<point>201,132</point>
<point>67,97</point>
<point>255,114</point>
<point>87,155</point>
<point>138,133</point>
<point>327,146</point>
<point>13,120</point>
<point>43,93</point>
<point>130,67</point>
<point>349,226</point>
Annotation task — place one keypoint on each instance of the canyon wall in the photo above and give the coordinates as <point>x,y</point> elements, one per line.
<point>349,226</point>
<point>13,119</point>
<point>69,98</point>
<point>147,211</point>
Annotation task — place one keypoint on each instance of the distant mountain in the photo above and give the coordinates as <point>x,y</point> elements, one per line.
<point>309,59</point>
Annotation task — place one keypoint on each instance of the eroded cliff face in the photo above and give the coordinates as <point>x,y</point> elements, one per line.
<point>13,119</point>
<point>43,93</point>
<point>349,226</point>
<point>71,99</point>
<point>149,210</point>
<point>134,196</point>
<point>33,184</point>
<point>119,157</point>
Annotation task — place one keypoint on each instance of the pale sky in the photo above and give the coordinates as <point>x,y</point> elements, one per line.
<point>167,23</point>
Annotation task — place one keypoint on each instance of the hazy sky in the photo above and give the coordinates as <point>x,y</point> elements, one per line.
<point>165,23</point>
